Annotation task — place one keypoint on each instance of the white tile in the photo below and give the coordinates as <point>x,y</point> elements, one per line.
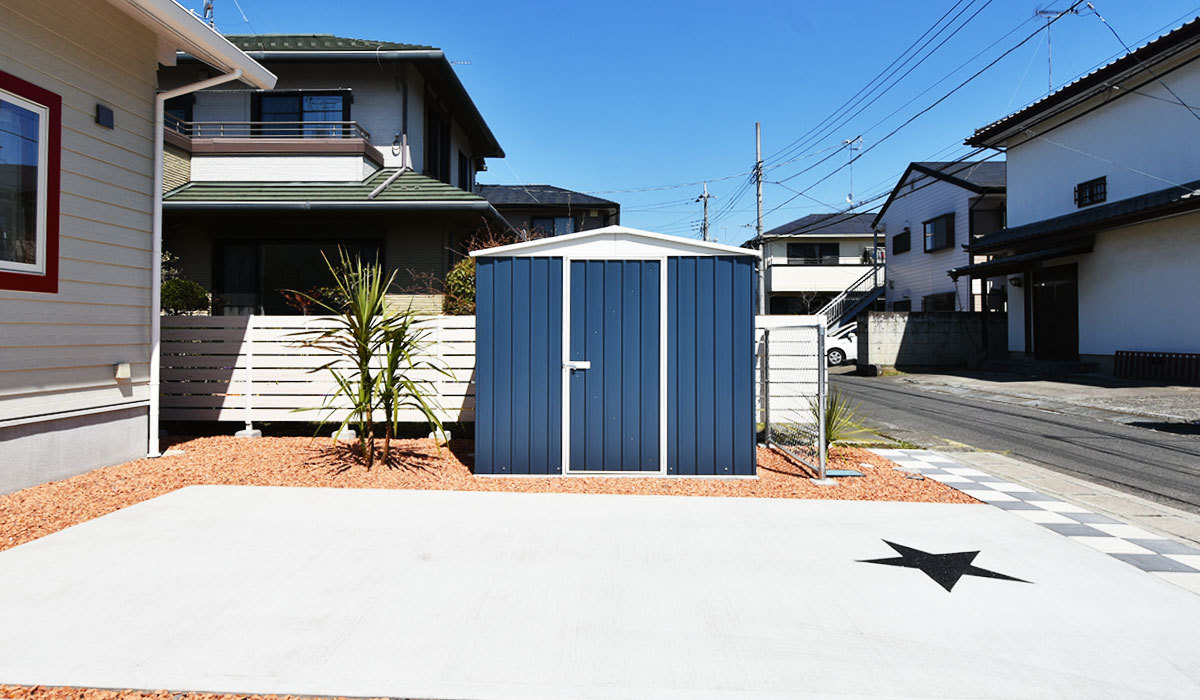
<point>1129,532</point>
<point>1006,486</point>
<point>1192,560</point>
<point>1182,579</point>
<point>966,471</point>
<point>1044,517</point>
<point>1111,545</point>
<point>1060,507</point>
<point>950,478</point>
<point>988,495</point>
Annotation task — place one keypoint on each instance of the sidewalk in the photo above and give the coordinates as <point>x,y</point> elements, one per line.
<point>1128,528</point>
<point>1096,396</point>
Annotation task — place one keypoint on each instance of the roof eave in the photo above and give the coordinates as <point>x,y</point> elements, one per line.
<point>181,29</point>
<point>1069,96</point>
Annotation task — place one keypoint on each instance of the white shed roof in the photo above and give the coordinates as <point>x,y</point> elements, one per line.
<point>614,243</point>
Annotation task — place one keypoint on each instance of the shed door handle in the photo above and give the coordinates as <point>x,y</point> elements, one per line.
<point>577,364</point>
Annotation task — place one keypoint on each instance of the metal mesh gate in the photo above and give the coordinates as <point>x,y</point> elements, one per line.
<point>792,387</point>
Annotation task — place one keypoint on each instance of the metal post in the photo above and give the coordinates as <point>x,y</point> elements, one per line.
<point>766,385</point>
<point>249,431</point>
<point>822,378</point>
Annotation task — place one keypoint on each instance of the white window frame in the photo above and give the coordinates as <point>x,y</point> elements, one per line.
<point>38,267</point>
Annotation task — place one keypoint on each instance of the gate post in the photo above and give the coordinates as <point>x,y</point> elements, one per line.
<point>766,386</point>
<point>822,378</point>
<point>249,431</point>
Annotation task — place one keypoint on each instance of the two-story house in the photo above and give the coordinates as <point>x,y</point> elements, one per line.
<point>545,210</point>
<point>368,145</point>
<point>932,212</point>
<point>79,154</point>
<point>815,258</point>
<point>1100,251</point>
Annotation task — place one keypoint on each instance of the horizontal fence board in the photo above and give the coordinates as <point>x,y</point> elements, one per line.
<point>207,361</point>
<point>283,415</point>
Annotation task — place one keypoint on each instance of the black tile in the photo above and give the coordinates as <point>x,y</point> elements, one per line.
<point>1093,518</point>
<point>1166,546</point>
<point>1015,505</point>
<point>1154,562</point>
<point>1075,529</point>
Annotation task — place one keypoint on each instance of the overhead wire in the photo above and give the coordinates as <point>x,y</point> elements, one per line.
<point>937,102</point>
<point>916,65</point>
<point>803,139</point>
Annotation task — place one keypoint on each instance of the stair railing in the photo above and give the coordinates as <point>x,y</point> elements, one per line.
<point>837,307</point>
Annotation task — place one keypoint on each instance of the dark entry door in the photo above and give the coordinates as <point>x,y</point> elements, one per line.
<point>614,402</point>
<point>1056,313</point>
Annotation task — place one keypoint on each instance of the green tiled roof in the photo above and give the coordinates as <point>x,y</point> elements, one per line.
<point>316,42</point>
<point>409,187</point>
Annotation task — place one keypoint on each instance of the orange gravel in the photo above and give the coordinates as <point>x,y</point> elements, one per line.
<point>39,692</point>
<point>417,464</point>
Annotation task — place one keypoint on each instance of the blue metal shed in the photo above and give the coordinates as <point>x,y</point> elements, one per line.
<point>615,351</point>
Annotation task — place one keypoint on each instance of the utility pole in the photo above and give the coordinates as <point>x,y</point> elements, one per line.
<point>704,198</point>
<point>758,177</point>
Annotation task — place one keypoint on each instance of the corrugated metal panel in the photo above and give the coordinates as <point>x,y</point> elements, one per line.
<point>710,366</point>
<point>518,382</point>
<point>615,312</point>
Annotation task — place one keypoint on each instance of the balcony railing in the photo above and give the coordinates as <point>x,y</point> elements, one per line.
<point>267,130</point>
<point>827,260</point>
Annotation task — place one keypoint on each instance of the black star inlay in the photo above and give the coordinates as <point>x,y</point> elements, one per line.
<point>946,569</point>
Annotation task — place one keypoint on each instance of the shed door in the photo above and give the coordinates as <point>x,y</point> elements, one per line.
<point>614,407</point>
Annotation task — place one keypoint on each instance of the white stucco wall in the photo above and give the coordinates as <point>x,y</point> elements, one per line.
<point>1135,132</point>
<point>782,277</point>
<point>1137,290</point>
<point>285,168</point>
<point>379,97</point>
<point>916,274</point>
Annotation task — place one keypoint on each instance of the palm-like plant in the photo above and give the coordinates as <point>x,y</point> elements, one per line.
<point>840,417</point>
<point>406,355</point>
<point>374,349</point>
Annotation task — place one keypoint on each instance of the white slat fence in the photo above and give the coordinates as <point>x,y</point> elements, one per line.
<point>256,368</point>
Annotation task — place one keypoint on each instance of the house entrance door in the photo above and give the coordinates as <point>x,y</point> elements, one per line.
<point>615,353</point>
<point>1056,313</point>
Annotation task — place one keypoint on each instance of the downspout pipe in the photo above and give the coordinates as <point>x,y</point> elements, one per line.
<point>160,103</point>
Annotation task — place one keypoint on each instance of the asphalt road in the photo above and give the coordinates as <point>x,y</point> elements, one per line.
<point>1162,467</point>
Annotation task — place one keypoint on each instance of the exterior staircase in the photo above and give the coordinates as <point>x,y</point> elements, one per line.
<point>843,309</point>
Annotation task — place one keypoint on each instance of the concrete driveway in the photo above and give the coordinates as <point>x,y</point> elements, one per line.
<point>505,595</point>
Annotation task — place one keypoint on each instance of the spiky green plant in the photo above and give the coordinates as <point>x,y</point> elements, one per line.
<point>361,327</point>
<point>406,358</point>
<point>840,417</point>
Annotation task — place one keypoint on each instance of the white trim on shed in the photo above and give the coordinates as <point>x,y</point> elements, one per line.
<point>613,243</point>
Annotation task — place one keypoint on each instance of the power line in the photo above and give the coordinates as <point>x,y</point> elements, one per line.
<point>1139,61</point>
<point>848,104</point>
<point>936,102</point>
<point>935,49</point>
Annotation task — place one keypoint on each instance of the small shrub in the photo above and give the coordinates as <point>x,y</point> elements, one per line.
<point>460,289</point>
<point>182,296</point>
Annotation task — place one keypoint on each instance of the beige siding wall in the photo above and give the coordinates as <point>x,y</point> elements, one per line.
<point>177,168</point>
<point>57,350</point>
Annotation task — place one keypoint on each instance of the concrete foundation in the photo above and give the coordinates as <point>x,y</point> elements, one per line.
<point>34,453</point>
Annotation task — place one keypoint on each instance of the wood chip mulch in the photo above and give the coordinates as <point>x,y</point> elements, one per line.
<point>41,692</point>
<point>416,464</point>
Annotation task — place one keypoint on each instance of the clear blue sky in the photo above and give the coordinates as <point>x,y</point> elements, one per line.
<point>623,95</point>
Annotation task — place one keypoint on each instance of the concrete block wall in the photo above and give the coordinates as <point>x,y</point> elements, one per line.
<point>928,340</point>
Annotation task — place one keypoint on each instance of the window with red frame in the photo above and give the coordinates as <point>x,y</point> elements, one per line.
<point>30,126</point>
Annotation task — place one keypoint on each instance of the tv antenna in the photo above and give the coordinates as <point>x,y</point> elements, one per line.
<point>1050,16</point>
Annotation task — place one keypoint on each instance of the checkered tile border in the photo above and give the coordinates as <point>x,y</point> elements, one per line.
<point>1145,550</point>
